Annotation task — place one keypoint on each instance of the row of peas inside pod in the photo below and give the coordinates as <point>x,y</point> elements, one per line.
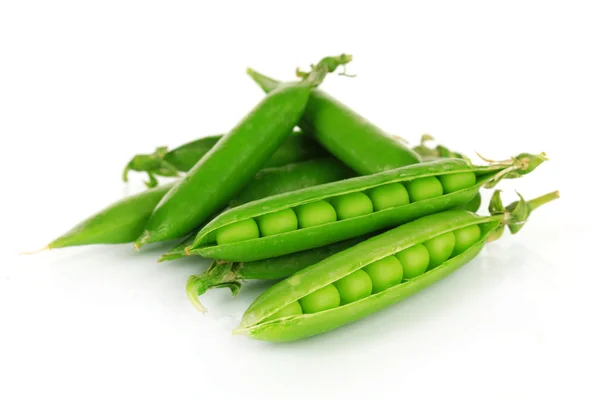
<point>345,206</point>
<point>333,212</point>
<point>386,272</point>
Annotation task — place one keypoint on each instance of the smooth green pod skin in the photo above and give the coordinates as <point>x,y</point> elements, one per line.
<point>453,182</point>
<point>384,273</point>
<point>315,214</point>
<point>275,223</point>
<point>303,239</point>
<point>231,275</point>
<point>440,249</point>
<point>292,177</point>
<point>228,167</point>
<point>387,196</point>
<point>291,309</point>
<point>242,230</point>
<point>352,139</point>
<point>354,287</point>
<point>472,205</point>
<point>236,158</point>
<point>120,222</point>
<point>341,264</point>
<point>465,237</point>
<point>124,220</point>
<point>414,260</point>
<point>322,299</point>
<point>296,148</point>
<point>352,205</point>
<point>424,188</point>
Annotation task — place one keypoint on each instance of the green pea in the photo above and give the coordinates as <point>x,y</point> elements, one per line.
<point>320,300</point>
<point>237,232</point>
<point>458,181</point>
<point>387,196</point>
<point>352,205</point>
<point>277,222</point>
<point>440,248</point>
<point>384,273</point>
<point>414,260</point>
<point>289,310</point>
<point>354,287</point>
<point>465,238</point>
<point>424,188</point>
<point>316,213</point>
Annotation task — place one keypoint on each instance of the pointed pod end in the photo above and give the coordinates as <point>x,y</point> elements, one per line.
<point>528,162</point>
<point>141,241</point>
<point>29,253</point>
<point>239,331</point>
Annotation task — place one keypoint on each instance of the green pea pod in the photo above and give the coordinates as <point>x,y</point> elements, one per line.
<point>264,319</point>
<point>257,247</point>
<point>120,222</point>
<point>297,147</point>
<point>124,220</point>
<point>229,166</point>
<point>348,136</point>
<point>229,274</point>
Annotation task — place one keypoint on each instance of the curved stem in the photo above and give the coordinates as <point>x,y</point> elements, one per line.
<point>219,274</point>
<point>125,175</point>
<point>28,253</point>
<point>194,288</point>
<point>323,67</point>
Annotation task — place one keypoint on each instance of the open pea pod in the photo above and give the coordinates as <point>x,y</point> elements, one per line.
<point>430,187</point>
<point>374,274</point>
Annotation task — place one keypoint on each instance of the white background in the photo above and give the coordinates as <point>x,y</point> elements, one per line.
<point>85,85</point>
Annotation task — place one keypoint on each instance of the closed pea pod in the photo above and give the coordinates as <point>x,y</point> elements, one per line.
<point>334,268</point>
<point>365,219</point>
<point>124,220</point>
<point>351,138</point>
<point>226,169</point>
<point>297,147</point>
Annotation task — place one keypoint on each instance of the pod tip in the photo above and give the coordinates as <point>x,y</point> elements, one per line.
<point>28,253</point>
<point>238,331</point>
<point>142,240</point>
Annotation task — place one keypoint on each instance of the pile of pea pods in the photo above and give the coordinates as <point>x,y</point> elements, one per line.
<point>344,218</point>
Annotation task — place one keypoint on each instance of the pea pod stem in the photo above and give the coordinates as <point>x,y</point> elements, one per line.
<point>540,201</point>
<point>218,274</point>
